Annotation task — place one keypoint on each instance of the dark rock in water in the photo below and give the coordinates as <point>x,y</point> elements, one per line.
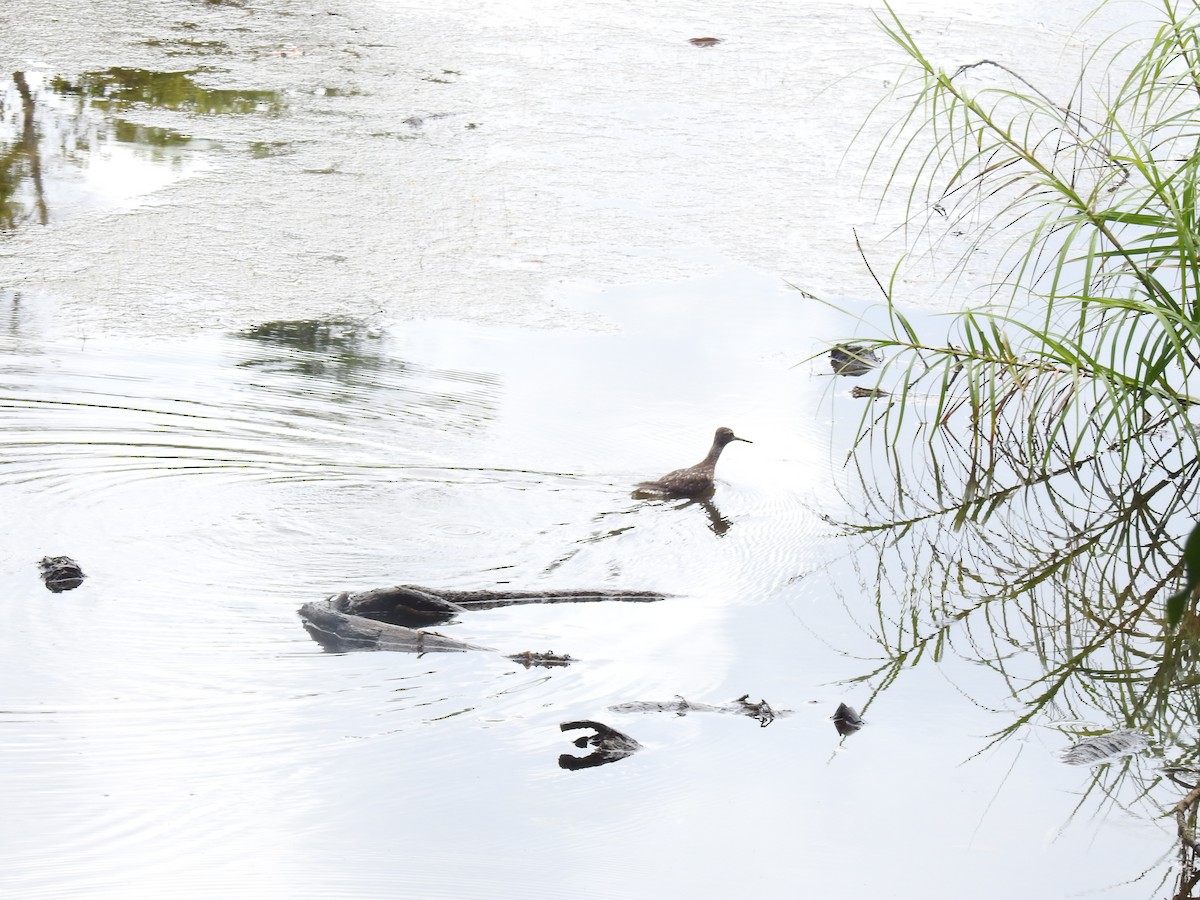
<point>60,573</point>
<point>1103,748</point>
<point>846,720</point>
<point>610,745</point>
<point>852,360</point>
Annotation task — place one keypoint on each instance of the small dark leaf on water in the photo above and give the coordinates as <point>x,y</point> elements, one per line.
<point>1103,748</point>
<point>60,573</point>
<point>704,41</point>
<point>846,720</point>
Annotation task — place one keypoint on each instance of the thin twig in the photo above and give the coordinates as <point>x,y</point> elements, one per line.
<point>1067,112</point>
<point>867,263</point>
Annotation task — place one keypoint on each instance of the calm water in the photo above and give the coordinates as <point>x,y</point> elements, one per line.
<point>338,297</point>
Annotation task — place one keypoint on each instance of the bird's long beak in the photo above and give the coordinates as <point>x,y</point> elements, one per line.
<point>736,438</point>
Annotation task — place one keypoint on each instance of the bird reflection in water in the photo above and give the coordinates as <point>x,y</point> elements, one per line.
<point>717,523</point>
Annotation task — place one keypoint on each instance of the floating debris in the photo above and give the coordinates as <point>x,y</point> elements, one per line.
<point>610,745</point>
<point>862,393</point>
<point>60,573</point>
<point>681,706</point>
<point>530,659</point>
<point>760,711</point>
<point>1104,748</point>
<point>852,360</point>
<point>846,720</point>
<point>704,41</point>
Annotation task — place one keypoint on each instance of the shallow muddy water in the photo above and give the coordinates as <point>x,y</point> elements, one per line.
<point>336,297</point>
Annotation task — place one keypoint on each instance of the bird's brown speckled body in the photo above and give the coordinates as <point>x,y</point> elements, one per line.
<point>697,480</point>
